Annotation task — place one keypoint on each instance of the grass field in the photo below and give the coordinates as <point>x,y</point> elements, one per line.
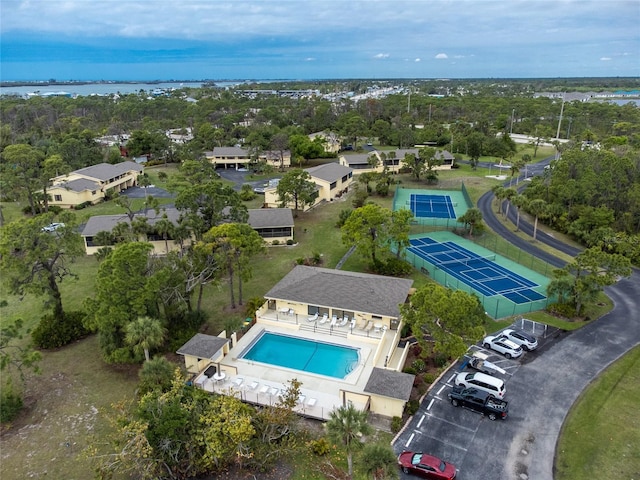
<point>601,436</point>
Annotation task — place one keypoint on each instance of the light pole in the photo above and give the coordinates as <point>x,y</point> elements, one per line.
<point>513,112</point>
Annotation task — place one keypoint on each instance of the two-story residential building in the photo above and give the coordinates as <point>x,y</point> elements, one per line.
<point>272,223</point>
<point>238,157</point>
<point>392,160</point>
<point>331,179</point>
<point>91,184</point>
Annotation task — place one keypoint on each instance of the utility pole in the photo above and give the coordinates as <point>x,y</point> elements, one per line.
<point>558,131</point>
<point>513,112</point>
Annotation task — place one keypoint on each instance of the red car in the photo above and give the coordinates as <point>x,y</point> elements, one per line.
<point>426,466</point>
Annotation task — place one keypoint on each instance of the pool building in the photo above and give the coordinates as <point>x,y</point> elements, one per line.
<point>335,331</point>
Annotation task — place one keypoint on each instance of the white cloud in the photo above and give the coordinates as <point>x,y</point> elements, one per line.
<point>310,59</point>
<point>417,60</point>
<point>381,55</point>
<point>441,56</point>
<point>605,59</point>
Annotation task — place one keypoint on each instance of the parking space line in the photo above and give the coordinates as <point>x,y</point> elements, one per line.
<point>451,378</point>
<point>441,388</point>
<point>454,424</point>
<point>422,419</point>
<point>410,440</point>
<point>430,403</point>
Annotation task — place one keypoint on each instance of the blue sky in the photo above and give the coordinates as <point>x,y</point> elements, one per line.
<point>317,39</point>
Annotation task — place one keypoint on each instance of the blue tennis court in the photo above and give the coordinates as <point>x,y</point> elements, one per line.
<point>480,273</point>
<point>434,206</point>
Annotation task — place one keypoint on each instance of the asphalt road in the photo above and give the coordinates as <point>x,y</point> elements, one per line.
<point>540,391</point>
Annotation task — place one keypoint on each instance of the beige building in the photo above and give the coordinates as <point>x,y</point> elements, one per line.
<point>238,157</point>
<point>272,223</point>
<point>330,141</point>
<point>393,160</point>
<point>331,179</point>
<point>91,184</point>
<point>321,307</point>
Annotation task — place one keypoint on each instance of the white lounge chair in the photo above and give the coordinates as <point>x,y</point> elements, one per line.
<point>344,321</point>
<point>312,402</point>
<point>369,326</point>
<point>238,381</point>
<point>264,389</point>
<point>301,399</point>
<point>324,319</point>
<point>353,323</point>
<point>253,385</point>
<point>313,318</point>
<point>334,320</point>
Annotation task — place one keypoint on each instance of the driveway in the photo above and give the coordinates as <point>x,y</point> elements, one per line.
<point>540,392</point>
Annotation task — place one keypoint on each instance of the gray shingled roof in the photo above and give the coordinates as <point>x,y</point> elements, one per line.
<point>78,185</point>
<point>106,171</point>
<point>270,217</point>
<point>106,223</point>
<point>443,154</point>
<point>230,152</point>
<point>390,383</point>
<point>329,172</point>
<point>357,159</point>
<point>343,290</point>
<point>203,346</point>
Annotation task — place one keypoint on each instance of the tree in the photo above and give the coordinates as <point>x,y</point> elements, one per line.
<point>474,148</point>
<point>366,228</point>
<point>296,187</point>
<point>399,229</point>
<point>594,269</point>
<point>51,168</point>
<point>155,374</point>
<point>142,142</point>
<point>498,192</point>
<point>144,333</point>
<point>22,171</point>
<point>125,290</point>
<point>34,261</point>
<point>198,171</point>
<point>233,245</point>
<point>473,218</point>
<point>206,205</point>
<point>415,164</point>
<point>379,461</point>
<point>454,320</point>
<point>508,193</point>
<point>536,208</point>
<point>346,425</point>
<point>430,161</point>
<point>165,228</point>
<point>280,143</point>
<point>519,201</point>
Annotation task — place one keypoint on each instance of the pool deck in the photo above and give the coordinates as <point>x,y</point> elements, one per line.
<point>261,384</point>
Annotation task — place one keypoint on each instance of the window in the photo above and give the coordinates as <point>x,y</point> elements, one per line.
<point>333,185</point>
<point>57,198</point>
<point>345,178</point>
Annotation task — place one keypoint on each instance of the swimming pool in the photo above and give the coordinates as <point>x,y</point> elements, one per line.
<point>306,355</point>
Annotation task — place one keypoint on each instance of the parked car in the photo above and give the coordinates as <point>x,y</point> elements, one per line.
<point>481,381</point>
<point>526,341</point>
<point>502,345</point>
<point>479,401</point>
<point>426,466</point>
<point>52,227</point>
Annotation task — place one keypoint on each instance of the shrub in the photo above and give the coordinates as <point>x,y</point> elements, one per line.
<point>562,310</point>
<point>410,370</point>
<point>10,403</point>
<point>246,193</point>
<point>418,365</point>
<point>316,258</point>
<point>275,242</point>
<point>156,374</point>
<point>395,267</point>
<point>359,197</point>
<point>382,189</point>
<point>429,378</point>
<point>440,360</point>
<point>300,261</point>
<point>320,447</point>
<point>82,205</point>
<point>343,216</point>
<point>290,241</point>
<point>396,424</point>
<point>412,407</point>
<point>54,332</point>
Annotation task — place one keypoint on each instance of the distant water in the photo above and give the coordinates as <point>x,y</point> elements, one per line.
<point>103,88</point>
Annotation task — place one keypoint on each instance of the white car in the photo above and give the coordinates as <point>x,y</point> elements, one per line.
<point>525,340</point>
<point>52,227</point>
<point>503,345</point>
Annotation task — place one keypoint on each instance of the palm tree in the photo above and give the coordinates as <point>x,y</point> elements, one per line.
<point>509,193</point>
<point>519,201</point>
<point>536,208</point>
<point>346,425</point>
<point>498,192</point>
<point>145,333</point>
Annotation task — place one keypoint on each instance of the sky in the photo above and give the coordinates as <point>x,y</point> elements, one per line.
<point>317,39</point>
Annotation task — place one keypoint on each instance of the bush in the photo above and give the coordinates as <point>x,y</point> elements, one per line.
<point>562,310</point>
<point>382,189</point>
<point>429,378</point>
<point>320,447</point>
<point>290,241</point>
<point>418,365</point>
<point>53,332</point>
<point>10,403</point>
<point>359,197</point>
<point>440,360</point>
<point>396,424</point>
<point>275,242</point>
<point>343,216</point>
<point>82,206</point>
<point>412,407</point>
<point>410,370</point>
<point>246,193</point>
<point>156,374</point>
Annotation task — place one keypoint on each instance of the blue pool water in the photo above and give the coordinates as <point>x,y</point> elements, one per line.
<point>306,355</point>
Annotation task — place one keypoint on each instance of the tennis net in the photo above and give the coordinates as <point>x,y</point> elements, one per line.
<point>431,203</point>
<point>469,261</point>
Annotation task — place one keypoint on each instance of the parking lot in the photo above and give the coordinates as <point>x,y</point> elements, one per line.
<point>466,438</point>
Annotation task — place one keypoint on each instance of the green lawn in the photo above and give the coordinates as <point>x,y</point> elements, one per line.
<point>601,436</point>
